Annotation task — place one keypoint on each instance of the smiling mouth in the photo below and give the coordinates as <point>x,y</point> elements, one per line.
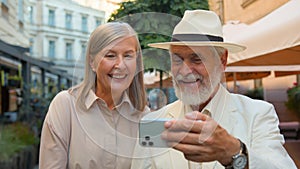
<point>188,81</point>
<point>115,76</point>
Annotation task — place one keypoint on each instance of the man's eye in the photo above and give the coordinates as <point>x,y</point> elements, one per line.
<point>176,59</point>
<point>197,60</point>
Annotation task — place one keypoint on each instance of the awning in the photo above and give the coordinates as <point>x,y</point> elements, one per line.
<point>272,40</point>
<point>19,54</point>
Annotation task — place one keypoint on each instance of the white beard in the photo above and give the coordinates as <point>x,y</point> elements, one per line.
<point>199,95</point>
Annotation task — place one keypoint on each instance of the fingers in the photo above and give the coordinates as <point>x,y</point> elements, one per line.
<point>192,123</point>
<point>196,128</point>
<point>182,137</point>
<point>195,115</point>
<point>184,125</point>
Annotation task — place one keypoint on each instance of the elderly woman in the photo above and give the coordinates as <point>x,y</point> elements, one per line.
<point>94,125</point>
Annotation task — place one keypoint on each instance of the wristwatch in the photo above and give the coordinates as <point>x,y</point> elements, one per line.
<point>239,161</point>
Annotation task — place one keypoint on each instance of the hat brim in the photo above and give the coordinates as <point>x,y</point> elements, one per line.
<point>231,47</point>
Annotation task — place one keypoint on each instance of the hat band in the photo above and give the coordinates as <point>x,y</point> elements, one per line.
<point>195,37</point>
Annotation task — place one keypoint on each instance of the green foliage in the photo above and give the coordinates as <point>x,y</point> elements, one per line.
<point>257,93</point>
<point>173,7</point>
<point>15,137</point>
<point>154,21</point>
<point>293,102</point>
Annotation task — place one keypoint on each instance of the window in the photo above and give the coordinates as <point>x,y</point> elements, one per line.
<point>69,51</point>
<point>83,51</point>
<point>98,22</point>
<point>51,52</point>
<point>4,9</point>
<point>20,11</point>
<point>31,43</point>
<point>30,11</point>
<point>4,2</point>
<point>84,26</point>
<point>51,17</point>
<point>68,21</point>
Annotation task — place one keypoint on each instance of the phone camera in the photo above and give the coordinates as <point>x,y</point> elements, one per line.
<point>144,143</point>
<point>147,138</point>
<point>150,143</point>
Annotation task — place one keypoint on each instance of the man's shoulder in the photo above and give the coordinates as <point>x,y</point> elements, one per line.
<point>242,102</point>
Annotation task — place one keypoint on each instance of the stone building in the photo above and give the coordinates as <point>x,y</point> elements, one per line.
<point>59,30</point>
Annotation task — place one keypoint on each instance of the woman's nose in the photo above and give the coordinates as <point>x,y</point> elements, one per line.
<point>119,62</point>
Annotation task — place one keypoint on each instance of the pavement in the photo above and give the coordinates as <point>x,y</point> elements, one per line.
<point>293,148</point>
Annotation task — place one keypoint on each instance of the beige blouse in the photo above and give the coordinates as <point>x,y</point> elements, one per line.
<point>96,139</point>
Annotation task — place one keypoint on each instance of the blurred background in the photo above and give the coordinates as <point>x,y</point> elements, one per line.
<point>43,45</point>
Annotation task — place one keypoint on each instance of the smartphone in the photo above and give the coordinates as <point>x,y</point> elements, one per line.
<point>150,132</point>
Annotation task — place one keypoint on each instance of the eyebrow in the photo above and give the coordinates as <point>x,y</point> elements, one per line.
<point>196,55</point>
<point>128,51</point>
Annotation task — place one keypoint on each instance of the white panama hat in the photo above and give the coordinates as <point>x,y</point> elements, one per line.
<point>199,28</point>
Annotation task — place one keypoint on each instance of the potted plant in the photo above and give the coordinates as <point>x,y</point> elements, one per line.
<point>256,93</point>
<point>293,102</point>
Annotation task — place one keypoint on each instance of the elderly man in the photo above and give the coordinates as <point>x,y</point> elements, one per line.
<point>210,127</point>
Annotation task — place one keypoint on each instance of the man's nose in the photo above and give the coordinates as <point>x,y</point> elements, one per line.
<point>186,68</point>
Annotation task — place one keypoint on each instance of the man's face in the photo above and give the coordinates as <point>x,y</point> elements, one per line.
<point>196,72</point>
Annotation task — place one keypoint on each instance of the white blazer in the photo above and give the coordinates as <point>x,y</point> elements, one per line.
<point>254,122</point>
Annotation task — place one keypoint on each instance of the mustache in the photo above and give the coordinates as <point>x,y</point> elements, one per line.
<point>188,78</point>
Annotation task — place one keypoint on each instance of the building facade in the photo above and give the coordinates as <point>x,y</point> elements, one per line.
<point>109,6</point>
<point>13,22</point>
<point>59,30</point>
<point>42,46</point>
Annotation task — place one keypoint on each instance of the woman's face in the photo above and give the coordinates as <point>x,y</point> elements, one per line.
<point>116,65</point>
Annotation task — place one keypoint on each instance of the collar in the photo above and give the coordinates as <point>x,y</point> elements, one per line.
<point>92,97</point>
<point>218,104</point>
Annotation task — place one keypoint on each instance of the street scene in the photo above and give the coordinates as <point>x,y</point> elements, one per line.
<point>78,77</point>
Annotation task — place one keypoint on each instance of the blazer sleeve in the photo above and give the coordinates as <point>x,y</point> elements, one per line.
<point>266,146</point>
<point>55,134</point>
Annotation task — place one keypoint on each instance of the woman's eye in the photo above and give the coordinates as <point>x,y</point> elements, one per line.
<point>130,55</point>
<point>110,55</point>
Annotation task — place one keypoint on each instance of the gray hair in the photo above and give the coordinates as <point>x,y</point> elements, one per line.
<point>101,37</point>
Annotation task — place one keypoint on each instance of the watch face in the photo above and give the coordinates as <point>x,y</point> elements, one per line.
<point>240,162</point>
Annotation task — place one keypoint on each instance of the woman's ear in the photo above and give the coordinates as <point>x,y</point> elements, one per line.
<point>92,65</point>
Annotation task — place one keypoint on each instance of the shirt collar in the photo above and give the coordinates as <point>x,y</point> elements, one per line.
<point>218,104</point>
<point>92,97</point>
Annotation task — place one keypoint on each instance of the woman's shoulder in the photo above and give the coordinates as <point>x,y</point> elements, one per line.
<point>62,95</point>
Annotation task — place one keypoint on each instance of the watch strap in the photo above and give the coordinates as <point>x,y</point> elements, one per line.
<point>243,150</point>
